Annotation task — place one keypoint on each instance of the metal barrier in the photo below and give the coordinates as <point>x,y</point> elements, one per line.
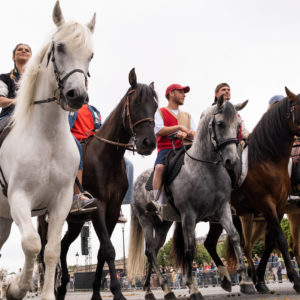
<point>202,279</point>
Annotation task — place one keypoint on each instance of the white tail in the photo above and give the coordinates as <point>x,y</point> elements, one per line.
<point>136,255</point>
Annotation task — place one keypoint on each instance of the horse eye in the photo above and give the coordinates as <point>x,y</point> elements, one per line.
<point>221,124</point>
<point>61,48</point>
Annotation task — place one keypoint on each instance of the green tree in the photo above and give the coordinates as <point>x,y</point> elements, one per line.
<point>164,254</point>
<point>201,254</point>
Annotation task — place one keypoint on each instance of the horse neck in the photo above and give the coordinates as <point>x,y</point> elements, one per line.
<point>113,130</point>
<point>51,118</point>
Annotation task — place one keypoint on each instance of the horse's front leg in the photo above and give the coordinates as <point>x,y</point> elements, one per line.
<point>225,217</point>
<point>31,244</point>
<point>58,213</point>
<point>188,230</point>
<point>107,250</point>
<point>210,244</point>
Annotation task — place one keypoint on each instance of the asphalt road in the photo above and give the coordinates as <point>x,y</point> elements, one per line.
<point>281,291</point>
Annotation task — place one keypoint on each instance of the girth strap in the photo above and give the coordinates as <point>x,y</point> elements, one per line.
<point>3,185</point>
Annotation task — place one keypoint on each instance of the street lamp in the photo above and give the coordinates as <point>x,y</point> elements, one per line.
<point>77,256</point>
<point>122,220</point>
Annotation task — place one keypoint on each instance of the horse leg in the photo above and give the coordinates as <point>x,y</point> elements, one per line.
<point>210,244</point>
<point>148,293</point>
<point>31,245</point>
<point>295,235</point>
<point>152,247</point>
<point>5,226</point>
<point>107,250</point>
<point>188,230</point>
<point>70,236</point>
<point>246,286</point>
<point>248,228</point>
<point>274,223</point>
<point>58,213</point>
<point>98,275</point>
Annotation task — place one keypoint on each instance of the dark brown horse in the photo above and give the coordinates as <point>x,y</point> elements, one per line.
<point>104,176</point>
<point>267,185</point>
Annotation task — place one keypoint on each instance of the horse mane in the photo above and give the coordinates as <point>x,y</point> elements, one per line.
<point>266,138</point>
<point>77,36</point>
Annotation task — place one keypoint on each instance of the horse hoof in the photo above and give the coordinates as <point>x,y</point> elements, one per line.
<point>297,288</point>
<point>170,296</point>
<point>9,296</point>
<point>226,285</point>
<point>150,296</point>
<point>247,288</point>
<point>96,297</point>
<point>196,296</point>
<point>262,288</point>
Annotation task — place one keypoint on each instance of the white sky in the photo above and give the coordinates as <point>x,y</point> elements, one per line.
<point>253,45</point>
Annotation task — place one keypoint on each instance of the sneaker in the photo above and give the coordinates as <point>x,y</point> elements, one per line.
<point>83,203</point>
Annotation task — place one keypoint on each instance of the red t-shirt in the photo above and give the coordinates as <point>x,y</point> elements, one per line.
<point>84,124</point>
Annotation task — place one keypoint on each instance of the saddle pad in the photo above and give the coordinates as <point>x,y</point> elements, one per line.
<point>174,162</point>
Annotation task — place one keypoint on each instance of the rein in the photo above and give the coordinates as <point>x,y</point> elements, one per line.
<point>126,112</point>
<point>60,81</point>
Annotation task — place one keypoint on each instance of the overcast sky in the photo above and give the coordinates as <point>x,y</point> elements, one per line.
<point>253,45</point>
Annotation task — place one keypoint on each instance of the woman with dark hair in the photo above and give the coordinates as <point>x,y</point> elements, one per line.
<point>9,81</point>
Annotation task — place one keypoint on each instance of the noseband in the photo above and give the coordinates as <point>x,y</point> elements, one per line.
<point>126,113</point>
<point>60,81</point>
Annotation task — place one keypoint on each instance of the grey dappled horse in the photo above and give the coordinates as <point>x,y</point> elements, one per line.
<point>201,190</point>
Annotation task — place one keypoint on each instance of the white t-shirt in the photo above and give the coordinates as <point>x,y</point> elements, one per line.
<point>159,122</point>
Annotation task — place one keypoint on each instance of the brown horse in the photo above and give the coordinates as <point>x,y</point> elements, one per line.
<point>104,176</point>
<point>254,229</point>
<point>267,185</point>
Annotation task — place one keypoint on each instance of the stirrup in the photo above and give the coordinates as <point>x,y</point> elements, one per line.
<point>79,208</point>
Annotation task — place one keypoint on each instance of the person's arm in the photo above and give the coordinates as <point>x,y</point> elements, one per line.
<point>4,101</point>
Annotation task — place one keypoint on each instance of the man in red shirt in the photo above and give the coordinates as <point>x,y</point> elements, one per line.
<point>169,121</point>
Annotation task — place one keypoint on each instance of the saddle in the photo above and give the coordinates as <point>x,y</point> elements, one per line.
<point>173,164</point>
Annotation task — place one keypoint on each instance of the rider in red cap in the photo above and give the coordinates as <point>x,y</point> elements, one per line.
<point>169,120</point>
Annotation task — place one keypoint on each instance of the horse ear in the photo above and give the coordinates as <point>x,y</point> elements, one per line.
<point>132,78</point>
<point>220,101</point>
<point>91,24</point>
<point>152,85</point>
<point>57,15</point>
<point>292,97</point>
<point>240,106</point>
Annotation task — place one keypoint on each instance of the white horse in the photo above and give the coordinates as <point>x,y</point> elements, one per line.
<point>39,158</point>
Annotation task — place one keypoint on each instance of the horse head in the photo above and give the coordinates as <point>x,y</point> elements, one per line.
<point>224,126</point>
<point>140,106</point>
<point>293,113</point>
<point>70,53</point>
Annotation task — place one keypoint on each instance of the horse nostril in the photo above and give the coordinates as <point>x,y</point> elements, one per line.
<point>228,163</point>
<point>148,142</point>
<point>71,94</point>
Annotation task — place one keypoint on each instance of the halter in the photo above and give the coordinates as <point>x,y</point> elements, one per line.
<point>213,136</point>
<point>60,81</point>
<point>126,113</point>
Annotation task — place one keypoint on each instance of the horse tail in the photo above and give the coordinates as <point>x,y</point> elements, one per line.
<point>178,252</point>
<point>230,254</point>
<point>136,256</point>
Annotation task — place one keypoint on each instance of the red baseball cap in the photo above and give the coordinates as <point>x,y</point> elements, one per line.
<point>176,86</point>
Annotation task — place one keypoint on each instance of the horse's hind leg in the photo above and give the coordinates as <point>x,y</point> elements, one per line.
<point>5,226</point>
<point>70,236</point>
<point>210,244</point>
<point>226,221</point>
<point>31,245</point>
<point>149,295</point>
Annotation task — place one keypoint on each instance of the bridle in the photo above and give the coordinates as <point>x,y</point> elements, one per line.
<point>58,94</point>
<point>214,140</point>
<point>292,113</point>
<point>126,113</point>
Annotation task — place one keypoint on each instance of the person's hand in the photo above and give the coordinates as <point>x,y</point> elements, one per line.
<point>183,129</point>
<point>181,135</point>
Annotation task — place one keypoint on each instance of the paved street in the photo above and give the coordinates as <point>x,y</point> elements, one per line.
<point>282,291</point>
